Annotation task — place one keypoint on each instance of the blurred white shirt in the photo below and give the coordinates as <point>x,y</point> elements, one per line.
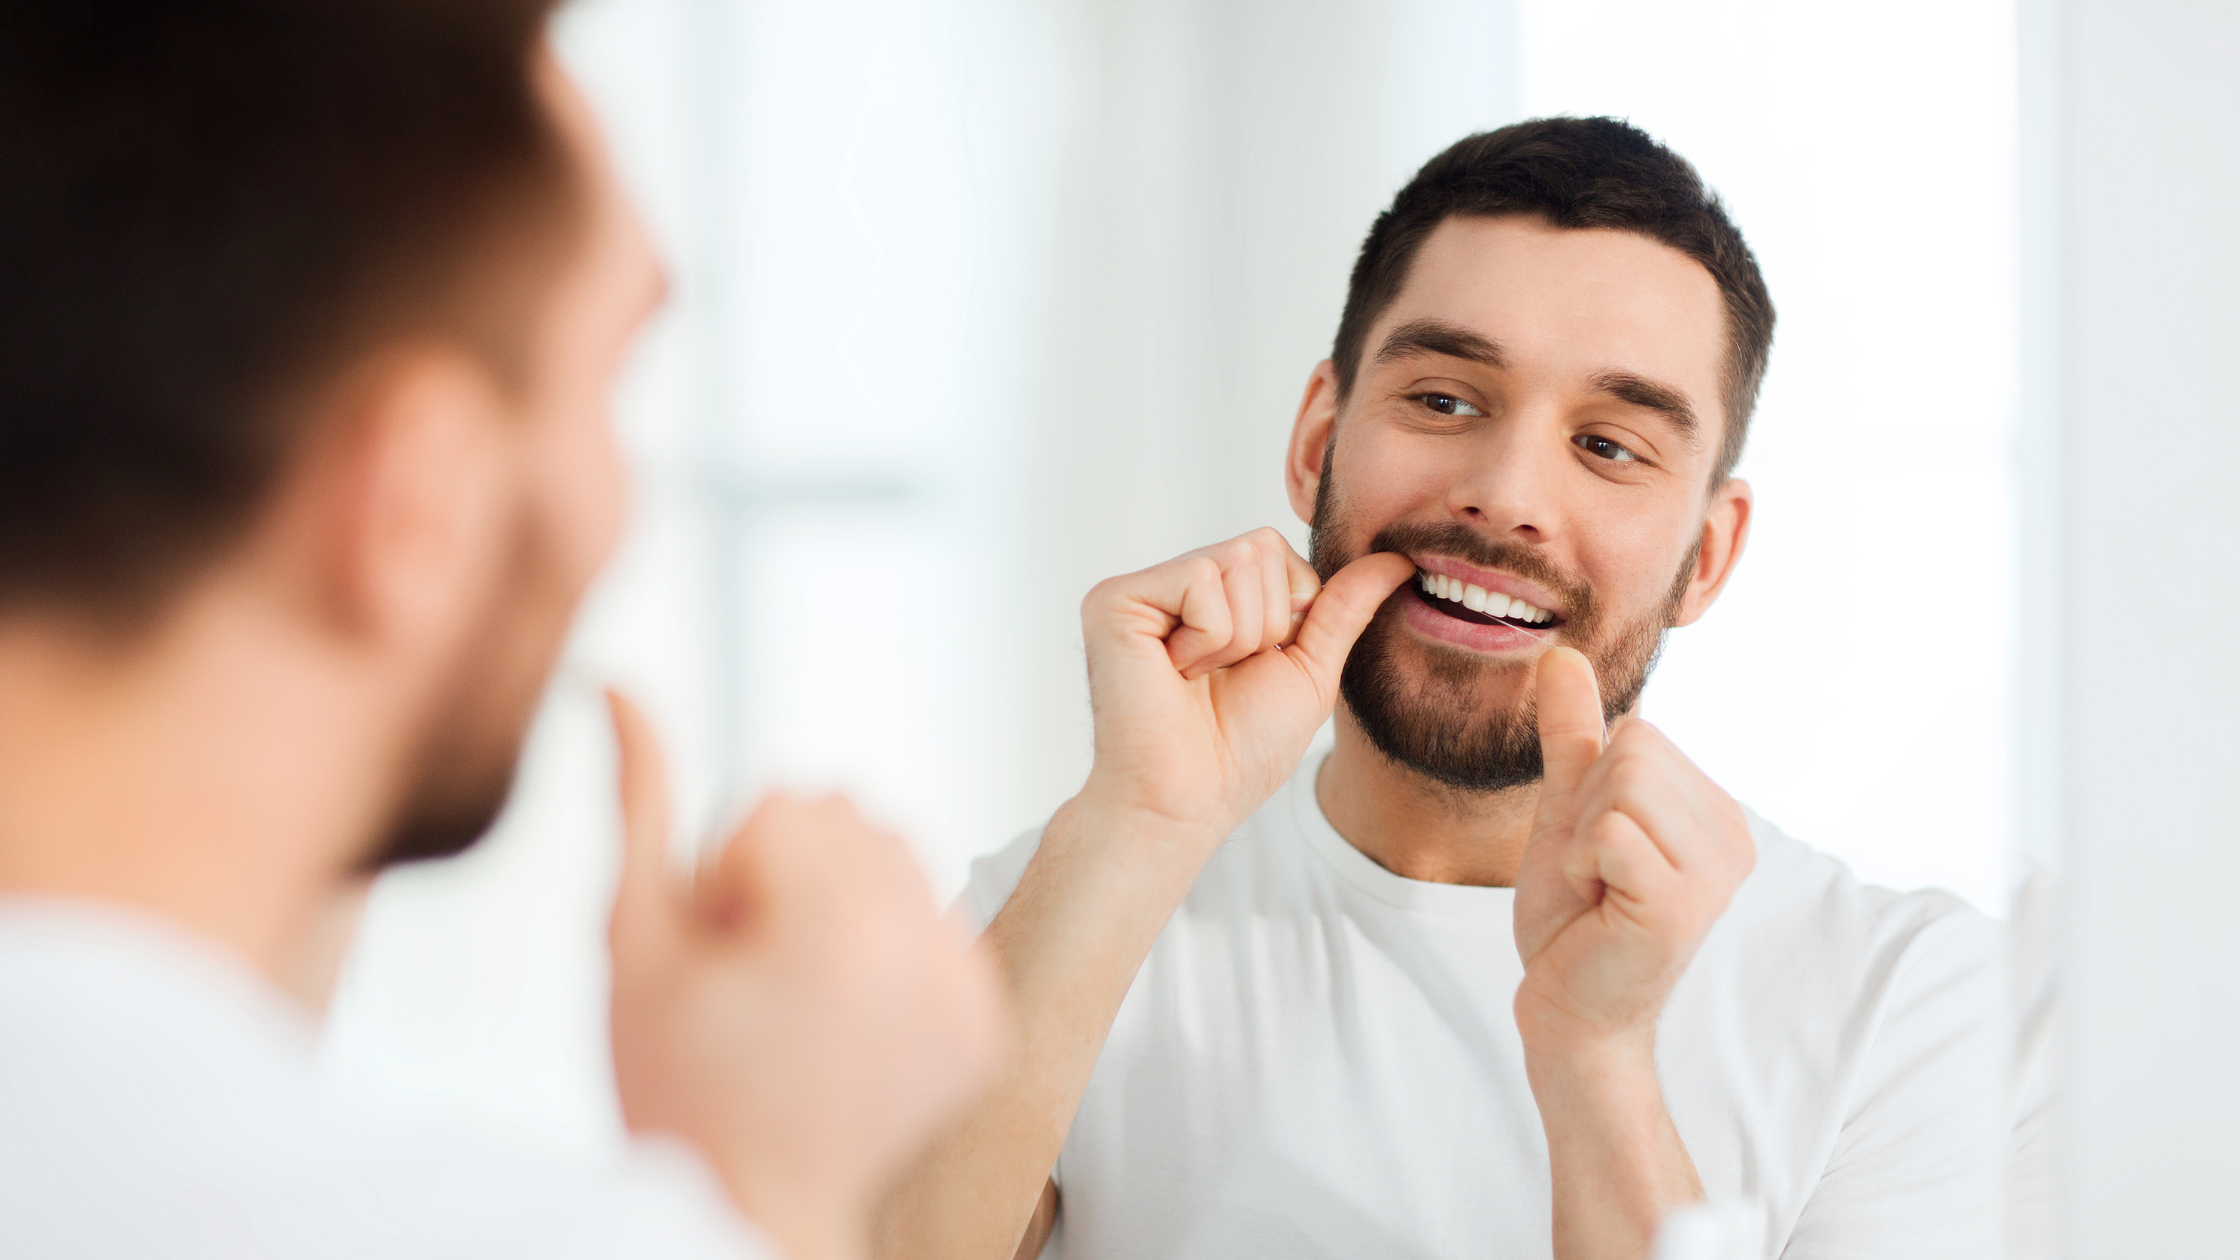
<point>157,1097</point>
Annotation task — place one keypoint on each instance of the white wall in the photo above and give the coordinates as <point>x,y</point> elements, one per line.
<point>1224,164</point>
<point>2134,121</point>
<point>1852,684</point>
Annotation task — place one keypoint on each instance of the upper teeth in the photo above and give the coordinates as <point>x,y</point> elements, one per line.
<point>1479,599</point>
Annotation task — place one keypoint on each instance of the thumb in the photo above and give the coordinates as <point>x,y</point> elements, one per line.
<point>1570,707</point>
<point>644,901</point>
<point>1342,611</point>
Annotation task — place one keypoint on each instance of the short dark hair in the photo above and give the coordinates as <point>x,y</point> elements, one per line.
<point>210,209</point>
<point>1575,173</point>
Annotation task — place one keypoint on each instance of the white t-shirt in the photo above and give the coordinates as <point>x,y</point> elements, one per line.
<point>157,1098</point>
<point>1319,1058</point>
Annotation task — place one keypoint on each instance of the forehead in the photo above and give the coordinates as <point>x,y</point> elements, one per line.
<point>1570,303</point>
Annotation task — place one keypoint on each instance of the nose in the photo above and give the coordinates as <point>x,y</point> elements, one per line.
<point>1507,486</point>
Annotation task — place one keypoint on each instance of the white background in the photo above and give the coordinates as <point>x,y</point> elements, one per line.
<point>2132,267</point>
<point>1852,683</point>
<point>982,300</point>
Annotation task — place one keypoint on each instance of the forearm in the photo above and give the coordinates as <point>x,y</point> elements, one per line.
<point>1069,942</point>
<point>1616,1162</point>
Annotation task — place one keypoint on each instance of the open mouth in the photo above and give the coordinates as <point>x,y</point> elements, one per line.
<point>1480,606</point>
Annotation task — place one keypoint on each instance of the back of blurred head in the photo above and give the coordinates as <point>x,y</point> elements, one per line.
<point>309,311</point>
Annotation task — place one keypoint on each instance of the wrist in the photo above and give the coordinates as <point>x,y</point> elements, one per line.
<point>1101,813</point>
<point>1561,1042</point>
<point>1618,1163</point>
<point>1606,1078</point>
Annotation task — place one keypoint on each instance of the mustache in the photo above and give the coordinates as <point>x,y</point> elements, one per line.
<point>1460,541</point>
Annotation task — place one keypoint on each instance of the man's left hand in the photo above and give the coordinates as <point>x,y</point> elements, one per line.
<point>1634,854</point>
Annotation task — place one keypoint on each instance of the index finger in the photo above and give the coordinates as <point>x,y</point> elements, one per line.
<point>643,893</point>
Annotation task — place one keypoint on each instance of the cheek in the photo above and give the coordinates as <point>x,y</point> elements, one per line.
<point>1380,482</point>
<point>585,491</point>
<point>1634,568</point>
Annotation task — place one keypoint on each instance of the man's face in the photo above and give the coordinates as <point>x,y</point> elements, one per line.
<point>568,489</point>
<point>1536,419</point>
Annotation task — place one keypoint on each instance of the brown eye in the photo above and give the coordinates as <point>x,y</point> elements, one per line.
<point>1448,405</point>
<point>1603,448</point>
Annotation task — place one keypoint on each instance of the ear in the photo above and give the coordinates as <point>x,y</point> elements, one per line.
<point>1304,460</point>
<point>1726,527</point>
<point>408,496</point>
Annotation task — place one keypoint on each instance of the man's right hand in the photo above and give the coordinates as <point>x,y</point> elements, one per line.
<point>1210,674</point>
<point>799,1012</point>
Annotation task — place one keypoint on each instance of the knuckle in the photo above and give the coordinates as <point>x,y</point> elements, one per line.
<point>1625,773</point>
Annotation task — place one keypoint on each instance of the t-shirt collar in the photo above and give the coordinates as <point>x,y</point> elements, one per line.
<point>1357,869</point>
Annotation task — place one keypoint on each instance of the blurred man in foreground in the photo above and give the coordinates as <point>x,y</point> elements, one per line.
<point>1502,973</point>
<point>312,310</point>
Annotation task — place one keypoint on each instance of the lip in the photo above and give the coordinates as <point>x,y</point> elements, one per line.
<point>1497,639</point>
<point>1493,581</point>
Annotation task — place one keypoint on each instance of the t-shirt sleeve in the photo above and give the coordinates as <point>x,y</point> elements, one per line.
<point>993,878</point>
<point>1916,1167</point>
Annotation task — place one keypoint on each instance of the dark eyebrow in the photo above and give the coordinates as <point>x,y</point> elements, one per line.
<point>1656,396</point>
<point>1431,336</point>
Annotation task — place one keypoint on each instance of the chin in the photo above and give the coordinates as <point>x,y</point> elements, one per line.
<point>432,828</point>
<point>1458,718</point>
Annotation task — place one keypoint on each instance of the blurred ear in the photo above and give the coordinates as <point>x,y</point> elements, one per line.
<point>1310,439</point>
<point>1726,527</point>
<point>405,499</point>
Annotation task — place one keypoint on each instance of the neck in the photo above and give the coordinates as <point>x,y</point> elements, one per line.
<point>1416,827</point>
<point>206,776</point>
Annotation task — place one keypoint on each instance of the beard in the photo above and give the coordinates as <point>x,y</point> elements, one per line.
<point>461,768</point>
<point>1449,721</point>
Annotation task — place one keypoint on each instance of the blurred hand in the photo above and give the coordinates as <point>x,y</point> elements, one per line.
<point>1634,854</point>
<point>800,1012</point>
<point>1210,673</point>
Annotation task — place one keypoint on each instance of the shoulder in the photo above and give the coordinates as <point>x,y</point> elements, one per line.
<point>1804,933</point>
<point>1803,895</point>
<point>1887,1010</point>
<point>228,1133</point>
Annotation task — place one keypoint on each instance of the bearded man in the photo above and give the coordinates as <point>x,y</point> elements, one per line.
<point>305,463</point>
<point>1501,973</point>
